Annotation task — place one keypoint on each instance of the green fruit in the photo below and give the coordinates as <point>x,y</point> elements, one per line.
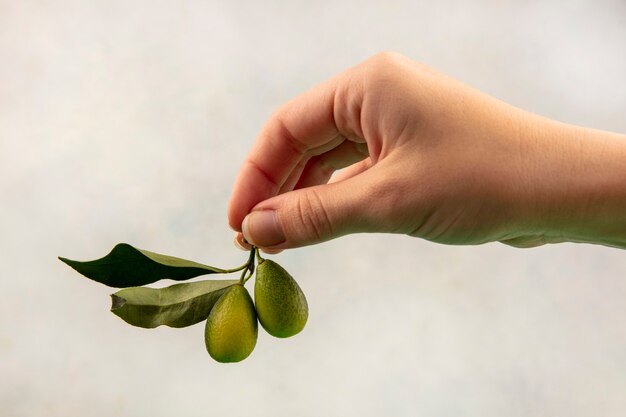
<point>280,303</point>
<point>231,328</point>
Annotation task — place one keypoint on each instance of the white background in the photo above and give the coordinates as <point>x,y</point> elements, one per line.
<point>127,121</point>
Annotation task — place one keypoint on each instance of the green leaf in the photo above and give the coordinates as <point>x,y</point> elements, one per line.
<point>126,266</point>
<point>179,305</point>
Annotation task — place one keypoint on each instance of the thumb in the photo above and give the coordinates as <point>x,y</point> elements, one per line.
<point>312,215</point>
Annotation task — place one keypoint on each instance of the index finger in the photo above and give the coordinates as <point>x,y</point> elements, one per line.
<point>302,124</point>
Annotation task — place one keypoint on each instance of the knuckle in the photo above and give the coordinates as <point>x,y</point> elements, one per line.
<point>383,62</point>
<point>384,71</point>
<point>387,57</point>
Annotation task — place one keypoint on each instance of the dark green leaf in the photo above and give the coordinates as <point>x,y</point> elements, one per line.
<point>127,266</point>
<point>179,305</point>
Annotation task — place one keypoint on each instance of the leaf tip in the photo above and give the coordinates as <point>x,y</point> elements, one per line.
<point>69,262</point>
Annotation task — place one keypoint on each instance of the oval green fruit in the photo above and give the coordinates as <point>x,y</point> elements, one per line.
<point>280,303</point>
<point>231,328</point>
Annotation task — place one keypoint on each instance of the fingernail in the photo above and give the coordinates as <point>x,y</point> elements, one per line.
<point>238,245</point>
<point>261,228</point>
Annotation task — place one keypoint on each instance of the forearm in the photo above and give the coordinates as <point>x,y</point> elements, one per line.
<point>584,191</point>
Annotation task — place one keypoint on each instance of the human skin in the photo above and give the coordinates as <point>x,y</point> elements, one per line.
<point>424,155</point>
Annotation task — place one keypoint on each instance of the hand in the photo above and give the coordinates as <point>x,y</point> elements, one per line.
<point>421,154</point>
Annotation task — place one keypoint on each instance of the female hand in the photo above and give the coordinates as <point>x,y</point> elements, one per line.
<point>424,155</point>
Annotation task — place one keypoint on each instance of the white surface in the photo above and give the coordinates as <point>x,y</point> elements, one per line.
<point>127,121</point>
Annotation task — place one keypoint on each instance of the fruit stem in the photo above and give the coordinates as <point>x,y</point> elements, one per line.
<point>258,257</point>
<point>248,270</point>
<point>247,278</point>
<point>242,277</point>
